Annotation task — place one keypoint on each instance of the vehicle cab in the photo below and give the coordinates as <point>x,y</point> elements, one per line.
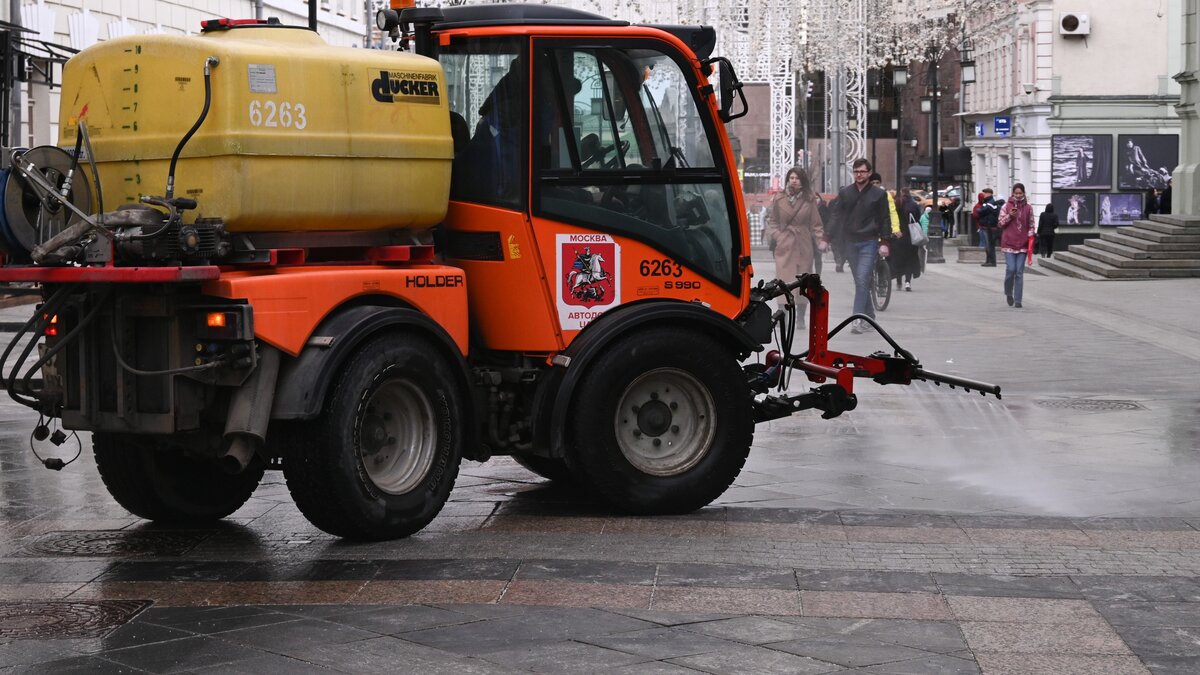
<point>589,154</point>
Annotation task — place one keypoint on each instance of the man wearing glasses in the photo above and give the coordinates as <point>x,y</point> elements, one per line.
<point>864,226</point>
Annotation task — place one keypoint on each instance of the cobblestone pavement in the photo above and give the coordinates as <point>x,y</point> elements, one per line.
<point>928,531</point>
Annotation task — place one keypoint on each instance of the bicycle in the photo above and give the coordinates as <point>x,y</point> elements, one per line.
<point>881,284</point>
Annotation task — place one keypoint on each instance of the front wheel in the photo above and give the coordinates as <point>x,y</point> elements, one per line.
<point>662,422</point>
<point>155,480</point>
<point>381,460</point>
<point>881,285</point>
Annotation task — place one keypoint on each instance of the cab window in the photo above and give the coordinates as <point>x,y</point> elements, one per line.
<point>487,82</point>
<point>620,146</point>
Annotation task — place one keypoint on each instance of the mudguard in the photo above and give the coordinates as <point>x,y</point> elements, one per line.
<point>553,401</point>
<point>305,380</point>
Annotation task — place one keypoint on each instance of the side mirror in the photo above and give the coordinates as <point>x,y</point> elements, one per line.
<point>731,88</point>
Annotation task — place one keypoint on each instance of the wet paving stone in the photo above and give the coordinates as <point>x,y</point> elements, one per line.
<point>858,653</point>
<point>1007,586</point>
<point>726,576</point>
<point>176,570</point>
<point>312,570</point>
<point>1159,614</point>
<point>991,520</point>
<point>856,580</point>
<point>397,620</point>
<point>746,659</point>
<point>1081,637</point>
<point>1112,588</point>
<point>494,569</point>
<point>65,619</point>
<point>109,543</point>
<point>483,637</point>
<point>584,571</point>
<point>587,594</point>
<point>662,643</point>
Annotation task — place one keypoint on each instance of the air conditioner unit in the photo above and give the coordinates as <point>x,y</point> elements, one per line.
<point>1074,23</point>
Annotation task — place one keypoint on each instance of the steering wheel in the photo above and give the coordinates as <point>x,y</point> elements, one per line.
<point>590,152</point>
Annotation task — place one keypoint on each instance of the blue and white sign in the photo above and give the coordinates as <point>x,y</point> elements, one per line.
<point>979,133</point>
<point>1002,125</point>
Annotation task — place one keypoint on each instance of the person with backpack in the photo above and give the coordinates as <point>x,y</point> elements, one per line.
<point>989,216</point>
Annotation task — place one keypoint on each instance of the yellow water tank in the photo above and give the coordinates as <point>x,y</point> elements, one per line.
<point>300,135</point>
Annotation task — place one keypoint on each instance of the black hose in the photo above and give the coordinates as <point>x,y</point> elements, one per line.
<point>38,322</point>
<point>208,64</point>
<point>62,344</point>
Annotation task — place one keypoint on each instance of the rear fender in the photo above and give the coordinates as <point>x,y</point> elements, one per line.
<point>552,408</point>
<point>305,380</point>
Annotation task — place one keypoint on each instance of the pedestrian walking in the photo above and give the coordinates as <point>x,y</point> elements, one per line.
<point>793,225</point>
<point>989,213</point>
<point>1016,227</point>
<point>905,260</point>
<point>1164,200</point>
<point>1047,225</point>
<point>863,222</point>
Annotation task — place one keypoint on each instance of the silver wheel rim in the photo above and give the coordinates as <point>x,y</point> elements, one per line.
<point>665,422</point>
<point>397,437</point>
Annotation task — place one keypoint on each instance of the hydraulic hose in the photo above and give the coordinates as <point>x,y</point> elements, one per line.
<point>209,63</point>
<point>38,322</point>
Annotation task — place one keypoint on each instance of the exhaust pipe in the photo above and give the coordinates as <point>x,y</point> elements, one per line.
<point>250,413</point>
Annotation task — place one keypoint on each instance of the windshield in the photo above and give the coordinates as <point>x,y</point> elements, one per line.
<point>622,147</point>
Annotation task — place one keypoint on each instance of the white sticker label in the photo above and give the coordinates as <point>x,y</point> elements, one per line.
<point>589,278</point>
<point>262,78</point>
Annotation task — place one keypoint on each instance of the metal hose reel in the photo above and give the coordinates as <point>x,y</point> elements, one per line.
<point>33,199</point>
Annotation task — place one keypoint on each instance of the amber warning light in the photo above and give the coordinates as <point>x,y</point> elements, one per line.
<point>216,319</point>
<point>401,4</point>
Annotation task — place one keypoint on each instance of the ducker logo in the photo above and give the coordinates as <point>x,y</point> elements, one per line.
<point>399,87</point>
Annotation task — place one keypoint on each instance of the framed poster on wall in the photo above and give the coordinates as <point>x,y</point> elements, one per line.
<point>1081,162</point>
<point>1119,208</point>
<point>1075,208</point>
<point>1146,161</point>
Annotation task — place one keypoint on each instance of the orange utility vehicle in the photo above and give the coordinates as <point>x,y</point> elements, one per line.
<point>521,236</point>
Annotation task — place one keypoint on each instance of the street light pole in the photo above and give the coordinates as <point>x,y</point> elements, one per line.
<point>899,79</point>
<point>934,247</point>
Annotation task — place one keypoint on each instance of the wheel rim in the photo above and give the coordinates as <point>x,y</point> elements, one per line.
<point>665,422</point>
<point>397,438</point>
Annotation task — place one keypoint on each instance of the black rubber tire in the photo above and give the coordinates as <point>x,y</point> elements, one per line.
<point>621,376</point>
<point>153,480</point>
<point>552,468</point>
<point>881,285</point>
<point>325,469</point>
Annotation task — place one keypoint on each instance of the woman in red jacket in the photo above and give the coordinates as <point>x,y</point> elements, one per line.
<point>1016,227</point>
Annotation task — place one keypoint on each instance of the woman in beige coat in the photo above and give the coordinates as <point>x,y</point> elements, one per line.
<point>793,224</point>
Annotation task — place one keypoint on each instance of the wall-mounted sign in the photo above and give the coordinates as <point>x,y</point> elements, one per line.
<point>979,129</point>
<point>1002,125</point>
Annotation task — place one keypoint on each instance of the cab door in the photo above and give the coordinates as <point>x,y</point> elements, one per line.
<point>624,166</point>
<point>487,231</point>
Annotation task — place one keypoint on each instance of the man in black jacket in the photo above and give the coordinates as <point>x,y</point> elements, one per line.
<point>864,225</point>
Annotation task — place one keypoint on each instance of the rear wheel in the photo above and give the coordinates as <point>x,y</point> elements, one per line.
<point>881,285</point>
<point>662,422</point>
<point>154,480</point>
<point>381,460</point>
